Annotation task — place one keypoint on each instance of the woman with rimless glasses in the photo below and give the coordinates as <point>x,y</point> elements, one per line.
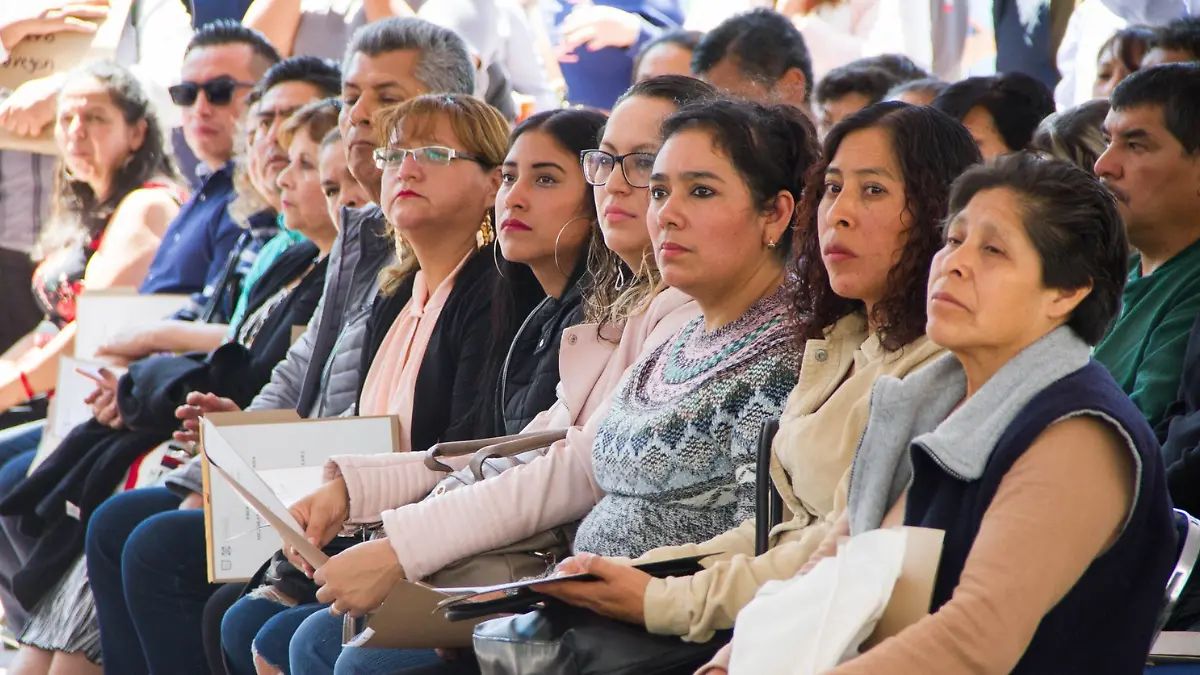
<point>662,368</point>
<point>427,339</point>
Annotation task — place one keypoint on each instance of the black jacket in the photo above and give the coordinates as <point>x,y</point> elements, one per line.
<point>529,379</point>
<point>1181,428</point>
<point>448,404</point>
<point>56,501</point>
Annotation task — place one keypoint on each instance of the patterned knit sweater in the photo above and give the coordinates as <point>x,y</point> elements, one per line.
<point>676,453</point>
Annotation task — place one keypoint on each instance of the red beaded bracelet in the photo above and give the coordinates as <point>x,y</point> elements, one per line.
<point>29,392</point>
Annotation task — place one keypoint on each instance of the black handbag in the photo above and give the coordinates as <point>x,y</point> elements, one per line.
<point>558,639</point>
<point>563,640</point>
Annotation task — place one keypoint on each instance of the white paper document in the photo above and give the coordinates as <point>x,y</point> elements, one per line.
<point>105,314</point>
<point>278,459</point>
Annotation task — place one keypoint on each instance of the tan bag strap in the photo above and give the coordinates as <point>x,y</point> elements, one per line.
<point>514,447</point>
<point>462,448</point>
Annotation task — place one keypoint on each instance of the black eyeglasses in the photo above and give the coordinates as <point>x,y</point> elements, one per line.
<point>598,166</point>
<point>218,90</point>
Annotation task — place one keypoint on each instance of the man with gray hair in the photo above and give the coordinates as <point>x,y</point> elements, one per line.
<point>386,62</point>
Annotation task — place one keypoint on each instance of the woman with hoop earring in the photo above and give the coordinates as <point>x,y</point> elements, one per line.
<point>546,226</point>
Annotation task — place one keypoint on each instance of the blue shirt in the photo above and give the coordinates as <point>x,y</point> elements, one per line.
<point>198,242</point>
<point>600,77</point>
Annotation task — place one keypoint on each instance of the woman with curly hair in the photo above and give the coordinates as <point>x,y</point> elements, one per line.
<point>868,227</point>
<point>116,192</point>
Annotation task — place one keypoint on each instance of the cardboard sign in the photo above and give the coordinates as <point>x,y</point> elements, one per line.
<point>41,56</point>
<point>102,315</point>
<point>256,464</point>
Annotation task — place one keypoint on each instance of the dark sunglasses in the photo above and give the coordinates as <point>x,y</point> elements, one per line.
<point>219,91</point>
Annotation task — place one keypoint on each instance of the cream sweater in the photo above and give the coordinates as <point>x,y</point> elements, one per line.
<point>818,434</point>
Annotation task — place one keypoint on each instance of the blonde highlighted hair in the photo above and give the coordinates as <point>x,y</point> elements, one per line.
<point>481,129</point>
<point>315,119</point>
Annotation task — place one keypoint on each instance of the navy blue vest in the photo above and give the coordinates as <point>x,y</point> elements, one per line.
<point>1106,622</point>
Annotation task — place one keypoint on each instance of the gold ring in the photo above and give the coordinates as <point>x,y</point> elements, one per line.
<point>334,611</point>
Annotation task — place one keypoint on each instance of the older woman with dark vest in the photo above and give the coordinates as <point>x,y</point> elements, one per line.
<point>1043,474</point>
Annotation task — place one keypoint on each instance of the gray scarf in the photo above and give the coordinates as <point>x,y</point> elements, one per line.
<point>920,409</point>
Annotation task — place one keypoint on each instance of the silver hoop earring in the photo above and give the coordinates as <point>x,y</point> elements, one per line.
<point>560,234</point>
<point>496,259</point>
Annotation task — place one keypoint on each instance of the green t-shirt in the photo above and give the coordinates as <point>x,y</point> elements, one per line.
<point>1144,350</point>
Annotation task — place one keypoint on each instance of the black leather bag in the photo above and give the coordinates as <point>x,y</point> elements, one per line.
<point>558,639</point>
<point>563,640</point>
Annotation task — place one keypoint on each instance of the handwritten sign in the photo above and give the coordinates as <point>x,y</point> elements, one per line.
<point>41,56</point>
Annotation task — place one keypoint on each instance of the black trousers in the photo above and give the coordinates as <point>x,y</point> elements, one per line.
<point>19,312</point>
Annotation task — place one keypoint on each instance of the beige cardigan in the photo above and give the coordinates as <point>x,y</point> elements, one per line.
<point>819,431</point>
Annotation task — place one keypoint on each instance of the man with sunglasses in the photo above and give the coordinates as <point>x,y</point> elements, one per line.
<point>221,65</point>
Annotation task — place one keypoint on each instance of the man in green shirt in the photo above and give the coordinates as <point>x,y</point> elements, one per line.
<point>1152,168</point>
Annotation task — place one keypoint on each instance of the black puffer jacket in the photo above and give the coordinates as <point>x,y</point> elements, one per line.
<point>529,379</point>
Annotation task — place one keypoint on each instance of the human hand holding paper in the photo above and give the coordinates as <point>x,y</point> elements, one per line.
<point>321,515</point>
<point>358,580</point>
<point>619,591</point>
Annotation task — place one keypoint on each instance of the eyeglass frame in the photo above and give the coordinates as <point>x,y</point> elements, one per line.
<point>197,87</point>
<point>381,163</point>
<point>618,160</point>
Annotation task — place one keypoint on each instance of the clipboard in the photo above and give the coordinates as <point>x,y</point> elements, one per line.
<point>276,457</point>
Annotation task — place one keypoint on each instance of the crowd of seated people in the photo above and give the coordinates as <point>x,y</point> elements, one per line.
<point>966,309</point>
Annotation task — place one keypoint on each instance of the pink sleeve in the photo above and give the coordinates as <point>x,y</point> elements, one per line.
<point>551,490</point>
<point>377,483</point>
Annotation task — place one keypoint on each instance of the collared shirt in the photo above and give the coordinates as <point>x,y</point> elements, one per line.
<point>197,243</point>
<point>392,378</point>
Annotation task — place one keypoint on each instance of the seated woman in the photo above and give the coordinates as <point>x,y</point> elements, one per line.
<point>426,356</point>
<point>696,401</point>
<point>630,314</point>
<point>547,226</point>
<point>872,220</point>
<point>1000,111</point>
<point>1044,476</point>
<point>145,548</point>
<point>53,579</point>
<point>117,193</point>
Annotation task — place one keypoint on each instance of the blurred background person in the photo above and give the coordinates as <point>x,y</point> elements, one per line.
<point>151,44</point>
<point>1075,135</point>
<point>1001,112</point>
<point>118,190</point>
<point>668,54</point>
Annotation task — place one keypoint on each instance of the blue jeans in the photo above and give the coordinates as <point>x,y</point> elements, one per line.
<point>263,626</point>
<point>317,650</point>
<point>148,571</point>
<point>18,447</point>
